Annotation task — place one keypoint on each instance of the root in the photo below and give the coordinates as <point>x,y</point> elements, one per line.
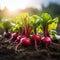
<point>36,47</point>
<point>19,44</point>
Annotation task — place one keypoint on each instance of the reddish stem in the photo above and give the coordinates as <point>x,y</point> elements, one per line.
<point>22,31</point>
<point>6,29</point>
<point>27,30</point>
<point>46,33</point>
<point>35,31</point>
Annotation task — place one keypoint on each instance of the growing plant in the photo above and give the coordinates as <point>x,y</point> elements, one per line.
<point>14,32</point>
<point>47,24</point>
<point>25,27</point>
<point>6,25</point>
<point>34,25</point>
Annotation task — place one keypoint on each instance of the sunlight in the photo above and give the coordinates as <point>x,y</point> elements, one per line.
<point>14,4</point>
<point>20,4</point>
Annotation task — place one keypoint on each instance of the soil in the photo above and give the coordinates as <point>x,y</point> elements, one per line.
<point>52,52</point>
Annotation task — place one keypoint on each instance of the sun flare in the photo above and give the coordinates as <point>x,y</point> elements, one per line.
<point>14,4</point>
<point>20,4</point>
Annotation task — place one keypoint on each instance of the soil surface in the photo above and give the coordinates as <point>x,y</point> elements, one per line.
<point>7,52</point>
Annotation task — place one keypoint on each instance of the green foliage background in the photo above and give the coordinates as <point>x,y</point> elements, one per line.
<point>53,9</point>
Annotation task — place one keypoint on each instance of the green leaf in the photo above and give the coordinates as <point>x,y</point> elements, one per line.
<point>53,32</point>
<point>46,16</point>
<point>35,21</point>
<point>47,22</point>
<point>54,24</point>
<point>57,37</point>
<point>56,20</point>
<point>1,25</point>
<point>5,23</point>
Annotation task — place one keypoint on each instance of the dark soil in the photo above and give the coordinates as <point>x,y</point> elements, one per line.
<point>52,52</point>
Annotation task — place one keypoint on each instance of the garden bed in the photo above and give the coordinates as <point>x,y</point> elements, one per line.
<point>29,53</point>
<point>30,38</point>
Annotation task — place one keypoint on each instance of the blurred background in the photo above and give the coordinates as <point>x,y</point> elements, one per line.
<point>10,8</point>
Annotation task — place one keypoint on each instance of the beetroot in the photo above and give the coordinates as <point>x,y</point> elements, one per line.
<point>25,41</point>
<point>46,40</point>
<point>19,37</point>
<point>7,35</point>
<point>36,37</point>
<point>14,35</point>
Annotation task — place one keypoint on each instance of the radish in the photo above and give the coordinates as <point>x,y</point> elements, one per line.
<point>25,41</point>
<point>46,41</point>
<point>36,38</point>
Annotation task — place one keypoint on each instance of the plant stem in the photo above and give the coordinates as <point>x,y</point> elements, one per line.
<point>6,29</point>
<point>35,30</point>
<point>46,33</point>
